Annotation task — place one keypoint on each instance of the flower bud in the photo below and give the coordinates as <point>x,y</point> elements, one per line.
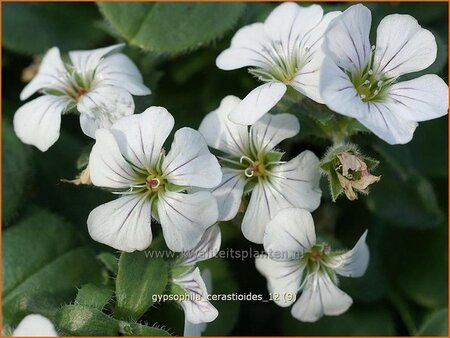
<point>348,171</point>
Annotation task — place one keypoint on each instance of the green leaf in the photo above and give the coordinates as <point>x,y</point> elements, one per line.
<point>435,325</point>
<point>138,279</point>
<point>110,261</point>
<point>80,320</point>
<point>42,255</point>
<point>171,27</point>
<point>94,296</point>
<point>15,173</point>
<point>65,25</point>
<point>135,329</point>
<point>357,321</point>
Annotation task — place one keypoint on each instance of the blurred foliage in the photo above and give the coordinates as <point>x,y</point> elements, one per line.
<point>48,255</point>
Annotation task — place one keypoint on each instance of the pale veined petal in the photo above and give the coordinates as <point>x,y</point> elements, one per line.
<point>103,106</point>
<point>264,204</point>
<point>384,122</point>
<point>222,134</point>
<point>247,49</point>
<point>258,102</point>
<point>141,137</point>
<point>49,75</point>
<point>123,224</point>
<point>283,278</point>
<point>86,61</point>
<point>320,297</point>
<point>189,162</point>
<point>185,217</point>
<point>339,93</point>
<point>38,122</point>
<point>307,79</point>
<point>347,38</point>
<point>289,234</point>
<point>197,308</point>
<point>421,99</point>
<point>118,70</point>
<point>279,25</point>
<point>312,41</point>
<point>353,263</point>
<point>307,20</point>
<point>297,181</point>
<point>107,167</point>
<point>403,46</point>
<point>35,325</point>
<point>207,248</point>
<point>270,130</point>
<point>229,193</point>
<point>195,330</point>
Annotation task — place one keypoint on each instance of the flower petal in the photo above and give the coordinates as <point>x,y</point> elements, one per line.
<point>347,38</point>
<point>320,297</point>
<point>35,325</point>
<point>195,330</point>
<point>48,76</point>
<point>123,224</point>
<point>222,134</point>
<point>279,25</point>
<point>85,61</point>
<point>283,278</point>
<point>107,167</point>
<point>297,181</point>
<point>289,234</point>
<point>207,248</point>
<point>258,102</point>
<point>270,130</point>
<point>247,49</point>
<point>141,137</point>
<point>229,193</point>
<point>307,79</point>
<point>118,70</point>
<point>103,106</point>
<point>421,99</point>
<point>384,121</point>
<point>189,162</point>
<point>38,122</point>
<point>403,46</point>
<point>185,217</point>
<point>264,204</point>
<point>353,263</point>
<point>339,93</point>
<point>197,308</point>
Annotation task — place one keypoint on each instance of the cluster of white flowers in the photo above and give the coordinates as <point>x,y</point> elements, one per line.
<point>187,190</point>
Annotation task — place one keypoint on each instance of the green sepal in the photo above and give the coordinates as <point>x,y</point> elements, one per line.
<point>94,296</point>
<point>138,279</point>
<point>81,320</point>
<point>178,270</point>
<point>136,329</point>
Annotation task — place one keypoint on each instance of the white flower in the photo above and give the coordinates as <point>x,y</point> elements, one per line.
<point>283,51</point>
<point>196,330</point>
<point>360,81</point>
<point>129,159</point>
<point>188,281</point>
<point>253,165</point>
<point>296,263</point>
<point>35,325</point>
<point>99,83</point>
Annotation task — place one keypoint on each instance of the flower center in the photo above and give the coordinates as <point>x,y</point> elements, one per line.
<point>370,85</point>
<point>255,169</point>
<point>154,183</point>
<point>283,64</point>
